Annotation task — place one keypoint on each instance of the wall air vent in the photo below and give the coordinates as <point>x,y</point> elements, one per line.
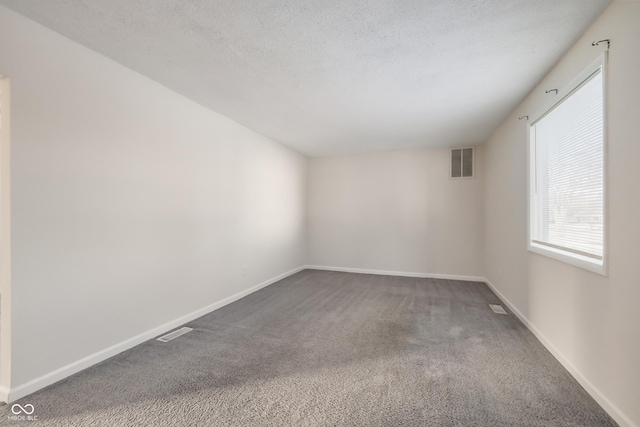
<point>462,163</point>
<point>175,334</point>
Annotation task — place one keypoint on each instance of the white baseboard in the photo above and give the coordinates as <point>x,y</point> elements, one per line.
<point>397,273</point>
<point>13,394</point>
<point>597,395</point>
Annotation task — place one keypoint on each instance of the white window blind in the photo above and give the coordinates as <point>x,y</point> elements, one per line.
<point>567,181</point>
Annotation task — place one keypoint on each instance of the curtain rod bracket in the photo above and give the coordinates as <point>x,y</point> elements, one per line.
<point>594,43</point>
<point>551,90</point>
<point>523,117</point>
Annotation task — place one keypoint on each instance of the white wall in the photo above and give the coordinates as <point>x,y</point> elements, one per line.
<point>395,211</point>
<point>5,234</point>
<point>131,205</point>
<point>591,322</point>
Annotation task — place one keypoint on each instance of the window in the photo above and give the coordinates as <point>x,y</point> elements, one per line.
<point>566,182</point>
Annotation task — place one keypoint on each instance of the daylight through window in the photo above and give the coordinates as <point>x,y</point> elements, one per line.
<point>567,211</point>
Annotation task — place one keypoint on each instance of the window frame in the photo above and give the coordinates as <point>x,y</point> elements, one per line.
<point>575,259</point>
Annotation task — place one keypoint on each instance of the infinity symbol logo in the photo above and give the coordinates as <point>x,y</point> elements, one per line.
<point>27,409</point>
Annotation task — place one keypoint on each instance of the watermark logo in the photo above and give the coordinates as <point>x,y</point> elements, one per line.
<point>18,409</point>
<point>22,412</point>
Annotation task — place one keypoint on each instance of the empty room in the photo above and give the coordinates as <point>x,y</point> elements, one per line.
<point>327,213</point>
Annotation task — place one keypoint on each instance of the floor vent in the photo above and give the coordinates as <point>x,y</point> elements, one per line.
<point>174,334</point>
<point>497,308</point>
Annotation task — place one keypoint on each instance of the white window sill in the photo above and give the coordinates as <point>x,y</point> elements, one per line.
<point>586,263</point>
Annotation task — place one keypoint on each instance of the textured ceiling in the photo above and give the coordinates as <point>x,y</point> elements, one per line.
<point>330,77</point>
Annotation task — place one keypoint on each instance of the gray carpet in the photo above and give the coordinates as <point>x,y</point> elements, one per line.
<point>332,349</point>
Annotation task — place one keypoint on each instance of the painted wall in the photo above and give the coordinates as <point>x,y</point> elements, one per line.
<point>131,205</point>
<point>5,233</point>
<point>589,321</point>
<point>395,211</point>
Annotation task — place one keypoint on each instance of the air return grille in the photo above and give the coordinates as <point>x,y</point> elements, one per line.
<point>175,334</point>
<point>462,163</point>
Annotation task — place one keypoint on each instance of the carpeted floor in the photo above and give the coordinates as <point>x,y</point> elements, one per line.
<point>332,349</point>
